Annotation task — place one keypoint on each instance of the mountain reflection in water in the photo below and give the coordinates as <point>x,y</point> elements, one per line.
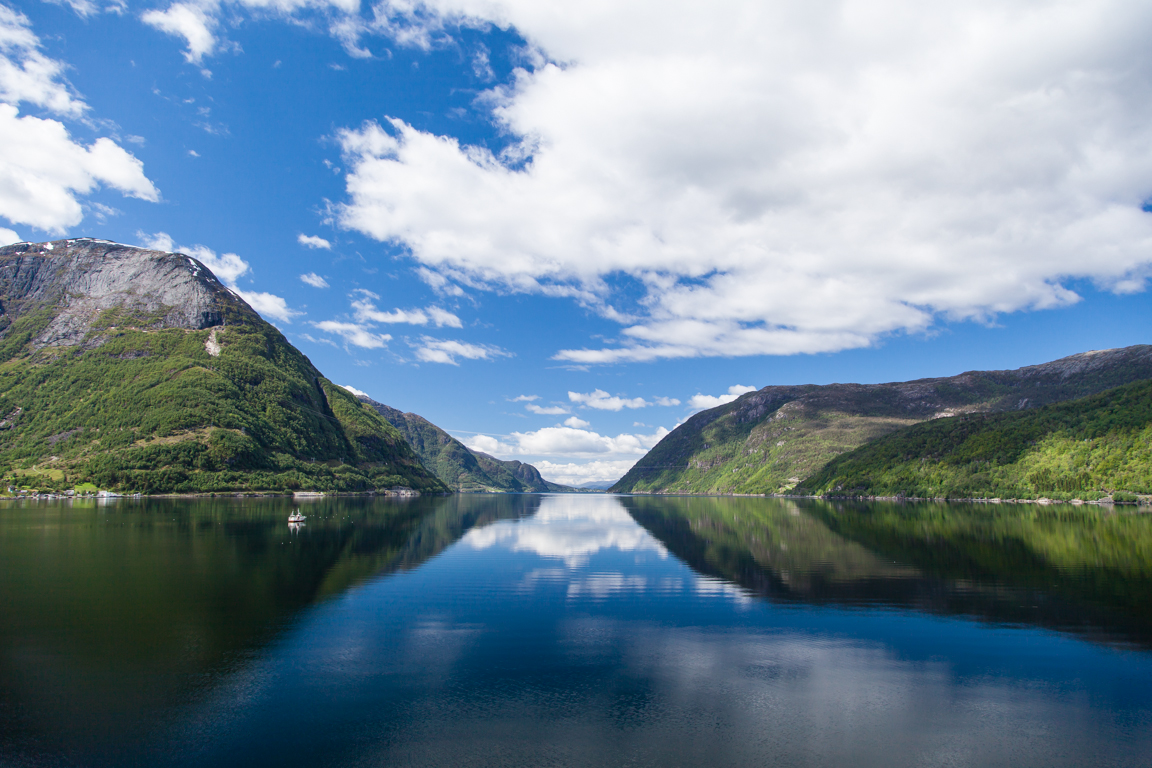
<point>1083,569</point>
<point>573,630</point>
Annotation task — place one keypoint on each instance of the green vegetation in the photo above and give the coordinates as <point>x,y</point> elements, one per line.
<point>140,407</point>
<point>1083,449</point>
<point>768,441</point>
<point>459,467</point>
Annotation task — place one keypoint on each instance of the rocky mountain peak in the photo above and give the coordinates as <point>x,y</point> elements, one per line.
<point>91,285</point>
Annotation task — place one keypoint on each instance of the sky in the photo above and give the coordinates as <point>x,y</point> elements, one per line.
<point>558,229</point>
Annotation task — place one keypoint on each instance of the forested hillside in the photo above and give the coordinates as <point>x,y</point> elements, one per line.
<point>137,370</point>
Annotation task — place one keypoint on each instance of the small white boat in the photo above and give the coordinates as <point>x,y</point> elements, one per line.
<point>296,517</point>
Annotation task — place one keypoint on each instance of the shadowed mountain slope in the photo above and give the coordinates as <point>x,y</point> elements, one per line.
<point>459,467</point>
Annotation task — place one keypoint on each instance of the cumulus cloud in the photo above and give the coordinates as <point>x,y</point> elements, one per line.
<point>782,178</point>
<point>7,237</point>
<point>700,402</point>
<point>353,390</point>
<point>354,333</point>
<point>525,398</point>
<point>546,410</point>
<point>446,351</point>
<point>576,423</point>
<point>268,305</point>
<point>314,241</point>
<point>565,442</point>
<point>42,169</point>
<point>314,280</point>
<point>228,268</point>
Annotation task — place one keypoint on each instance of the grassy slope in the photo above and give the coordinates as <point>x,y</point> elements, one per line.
<point>767,441</point>
<point>1080,449</point>
<point>152,411</point>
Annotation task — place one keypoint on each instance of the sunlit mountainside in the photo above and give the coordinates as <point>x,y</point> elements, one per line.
<point>138,370</point>
<point>769,441</point>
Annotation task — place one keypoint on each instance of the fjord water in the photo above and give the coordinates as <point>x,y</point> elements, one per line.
<point>574,630</point>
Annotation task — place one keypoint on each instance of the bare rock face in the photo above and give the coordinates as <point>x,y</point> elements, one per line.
<point>91,286</point>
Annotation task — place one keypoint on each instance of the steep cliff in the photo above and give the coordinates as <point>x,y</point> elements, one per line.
<point>138,370</point>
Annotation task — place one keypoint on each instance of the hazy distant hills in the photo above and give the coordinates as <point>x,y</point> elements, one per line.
<point>459,467</point>
<point>769,441</point>
<point>138,370</point>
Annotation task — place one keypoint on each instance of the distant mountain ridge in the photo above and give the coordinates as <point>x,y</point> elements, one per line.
<point>458,466</point>
<point>770,440</point>
<point>137,370</point>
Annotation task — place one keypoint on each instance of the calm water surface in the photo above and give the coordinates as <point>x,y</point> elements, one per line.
<point>583,630</point>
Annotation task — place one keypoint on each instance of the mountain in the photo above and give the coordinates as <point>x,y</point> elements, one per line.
<point>138,370</point>
<point>1085,448</point>
<point>459,467</point>
<point>767,441</point>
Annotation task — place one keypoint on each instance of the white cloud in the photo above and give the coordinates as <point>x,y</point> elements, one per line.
<point>42,170</point>
<point>576,423</point>
<point>158,241</point>
<point>667,401</point>
<point>568,528</point>
<point>576,473</point>
<point>783,178</point>
<point>366,312</point>
<point>85,8</point>
<point>443,318</point>
<point>7,237</point>
<point>485,444</point>
<point>314,280</point>
<point>602,401</point>
<point>198,21</point>
<point>700,402</point>
<point>565,442</point>
<point>432,350</point>
<point>357,392</point>
<point>268,305</point>
<point>195,22</point>
<point>27,75</point>
<point>228,268</point>
<point>355,334</point>
<point>549,410</point>
<point>525,398</point>
<point>314,241</point>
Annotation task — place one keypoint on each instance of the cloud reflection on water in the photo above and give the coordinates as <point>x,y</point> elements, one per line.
<point>570,528</point>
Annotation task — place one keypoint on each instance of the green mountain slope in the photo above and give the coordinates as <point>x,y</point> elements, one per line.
<point>767,441</point>
<point>1084,449</point>
<point>139,371</point>
<point>459,467</point>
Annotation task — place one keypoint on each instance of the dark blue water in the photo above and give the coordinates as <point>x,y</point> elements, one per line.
<point>574,630</point>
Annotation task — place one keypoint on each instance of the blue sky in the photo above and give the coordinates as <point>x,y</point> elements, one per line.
<point>556,229</point>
